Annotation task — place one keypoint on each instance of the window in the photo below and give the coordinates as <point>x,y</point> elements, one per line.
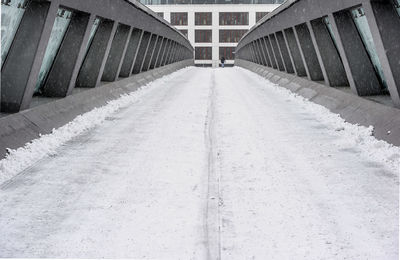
<point>330,30</point>
<point>11,16</point>
<point>231,35</point>
<point>161,14</point>
<point>201,2</point>
<point>179,18</point>
<point>233,18</point>
<point>260,15</point>
<point>184,32</point>
<point>363,28</point>
<point>93,31</point>
<point>56,37</point>
<point>203,18</point>
<point>203,53</point>
<point>177,2</point>
<point>397,6</point>
<point>203,36</point>
<point>227,52</point>
<point>153,2</point>
<point>267,1</point>
<point>234,1</point>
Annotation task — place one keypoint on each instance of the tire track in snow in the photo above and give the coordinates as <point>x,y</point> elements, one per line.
<point>213,221</point>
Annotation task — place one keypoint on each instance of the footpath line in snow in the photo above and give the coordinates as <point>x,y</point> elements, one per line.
<point>213,220</point>
<point>22,158</point>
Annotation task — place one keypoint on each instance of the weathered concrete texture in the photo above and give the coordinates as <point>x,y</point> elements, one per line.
<point>116,54</point>
<point>17,91</point>
<point>94,63</point>
<point>18,129</point>
<point>61,76</point>
<point>354,109</point>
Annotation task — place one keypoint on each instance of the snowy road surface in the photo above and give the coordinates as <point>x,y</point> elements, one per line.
<point>211,164</point>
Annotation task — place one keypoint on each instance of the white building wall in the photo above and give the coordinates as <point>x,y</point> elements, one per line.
<point>215,9</point>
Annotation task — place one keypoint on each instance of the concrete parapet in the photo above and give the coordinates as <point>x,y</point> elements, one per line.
<point>354,109</point>
<point>18,129</point>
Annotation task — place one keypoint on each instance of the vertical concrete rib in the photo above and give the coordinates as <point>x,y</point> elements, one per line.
<point>156,52</point>
<point>295,52</point>
<point>141,53</point>
<point>166,52</point>
<point>116,54</point>
<point>284,51</point>
<point>131,53</point>
<point>256,53</point>
<point>93,66</point>
<point>149,53</point>
<point>171,53</point>
<point>26,56</point>
<point>265,50</point>
<point>328,56</point>
<point>271,52</point>
<point>162,52</point>
<point>359,69</point>
<point>262,54</point>
<point>277,53</point>
<point>255,56</point>
<point>64,69</point>
<point>384,23</point>
<point>310,57</point>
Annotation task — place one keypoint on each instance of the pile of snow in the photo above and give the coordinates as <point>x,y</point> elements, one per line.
<point>24,157</point>
<point>354,135</point>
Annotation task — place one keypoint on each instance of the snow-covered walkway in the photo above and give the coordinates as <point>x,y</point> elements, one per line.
<point>211,164</point>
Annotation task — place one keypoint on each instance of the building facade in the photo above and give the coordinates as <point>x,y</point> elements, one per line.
<point>213,27</point>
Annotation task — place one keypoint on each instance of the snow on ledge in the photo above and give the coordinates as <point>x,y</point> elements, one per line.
<point>353,134</point>
<point>46,145</point>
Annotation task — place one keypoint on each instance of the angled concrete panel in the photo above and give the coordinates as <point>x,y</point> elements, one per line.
<point>96,57</point>
<point>20,70</point>
<point>385,28</point>
<point>157,51</point>
<point>310,57</point>
<point>149,53</point>
<point>277,53</point>
<point>131,53</point>
<point>284,51</point>
<point>162,52</point>
<point>329,57</point>
<point>63,72</point>
<point>359,69</point>
<point>272,53</point>
<point>141,53</point>
<point>116,54</point>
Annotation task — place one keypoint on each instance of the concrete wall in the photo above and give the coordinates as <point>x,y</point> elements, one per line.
<point>354,109</point>
<point>20,128</point>
<point>109,57</point>
<point>334,52</point>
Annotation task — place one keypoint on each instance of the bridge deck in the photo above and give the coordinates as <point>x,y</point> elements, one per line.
<point>215,162</point>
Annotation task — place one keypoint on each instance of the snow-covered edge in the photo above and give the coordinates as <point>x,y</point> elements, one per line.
<point>354,135</point>
<point>22,158</point>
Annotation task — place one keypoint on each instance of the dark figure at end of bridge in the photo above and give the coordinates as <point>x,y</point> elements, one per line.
<point>223,62</point>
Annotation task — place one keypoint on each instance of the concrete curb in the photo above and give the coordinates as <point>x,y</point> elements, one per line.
<point>18,129</point>
<point>354,109</point>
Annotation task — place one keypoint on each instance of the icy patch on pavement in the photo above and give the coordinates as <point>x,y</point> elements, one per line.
<point>22,158</point>
<point>352,135</point>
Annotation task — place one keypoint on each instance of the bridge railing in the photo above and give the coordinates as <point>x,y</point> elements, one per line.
<point>52,47</point>
<point>352,43</point>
